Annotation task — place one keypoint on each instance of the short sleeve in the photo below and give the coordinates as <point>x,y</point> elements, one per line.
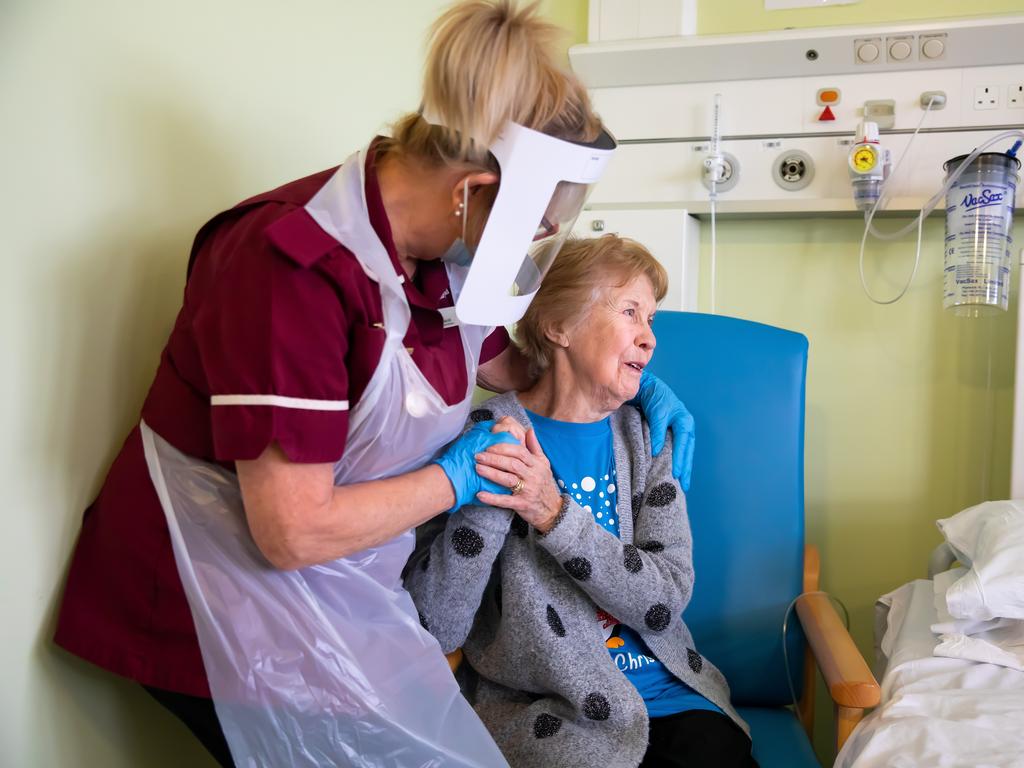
<point>272,337</point>
<point>495,343</point>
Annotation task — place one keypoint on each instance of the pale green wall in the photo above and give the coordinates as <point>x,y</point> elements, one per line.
<point>901,425</point>
<point>571,15</point>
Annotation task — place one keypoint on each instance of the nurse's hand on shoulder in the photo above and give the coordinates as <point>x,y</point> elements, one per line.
<point>663,411</point>
<point>459,461</point>
<point>525,467</point>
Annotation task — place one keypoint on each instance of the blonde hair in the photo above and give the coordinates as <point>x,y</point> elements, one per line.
<point>582,270</point>
<point>489,62</point>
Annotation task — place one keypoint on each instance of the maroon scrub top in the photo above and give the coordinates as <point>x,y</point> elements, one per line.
<point>273,305</point>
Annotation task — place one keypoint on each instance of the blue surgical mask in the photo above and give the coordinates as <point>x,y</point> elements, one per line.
<point>458,253</point>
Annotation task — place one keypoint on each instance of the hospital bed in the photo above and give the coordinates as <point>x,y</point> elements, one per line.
<point>935,711</point>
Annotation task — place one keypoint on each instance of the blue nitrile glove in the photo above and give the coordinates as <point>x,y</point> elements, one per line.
<point>459,462</point>
<point>663,410</point>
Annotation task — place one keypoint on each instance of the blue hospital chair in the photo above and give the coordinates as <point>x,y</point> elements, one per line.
<point>744,384</point>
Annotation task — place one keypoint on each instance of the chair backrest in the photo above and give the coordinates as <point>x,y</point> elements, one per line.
<point>744,384</point>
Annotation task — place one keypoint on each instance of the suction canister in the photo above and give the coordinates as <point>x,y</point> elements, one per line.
<point>979,233</point>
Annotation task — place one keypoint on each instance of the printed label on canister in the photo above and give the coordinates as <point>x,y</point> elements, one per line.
<point>979,215</point>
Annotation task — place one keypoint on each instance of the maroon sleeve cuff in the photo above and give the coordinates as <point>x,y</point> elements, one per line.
<point>496,343</point>
<point>243,432</point>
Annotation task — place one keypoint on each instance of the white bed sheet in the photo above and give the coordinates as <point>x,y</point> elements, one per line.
<point>936,712</point>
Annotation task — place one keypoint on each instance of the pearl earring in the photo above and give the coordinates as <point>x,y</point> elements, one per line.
<point>458,211</point>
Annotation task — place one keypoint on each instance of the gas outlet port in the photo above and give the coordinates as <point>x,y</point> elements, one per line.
<point>730,174</point>
<point>793,170</point>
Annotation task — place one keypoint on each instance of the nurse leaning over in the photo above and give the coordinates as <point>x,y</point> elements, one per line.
<point>243,558</point>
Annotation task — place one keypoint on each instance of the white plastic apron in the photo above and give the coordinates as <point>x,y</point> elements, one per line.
<point>328,665</point>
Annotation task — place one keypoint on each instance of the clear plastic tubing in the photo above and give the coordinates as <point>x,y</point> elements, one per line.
<point>954,174</point>
<point>979,225</point>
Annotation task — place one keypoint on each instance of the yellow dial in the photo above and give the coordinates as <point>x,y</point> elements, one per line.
<point>864,159</point>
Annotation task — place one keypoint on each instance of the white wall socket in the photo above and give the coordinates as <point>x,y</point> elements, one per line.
<point>986,97</point>
<point>1015,96</point>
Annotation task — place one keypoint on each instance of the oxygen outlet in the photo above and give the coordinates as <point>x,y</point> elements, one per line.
<point>728,173</point>
<point>793,170</point>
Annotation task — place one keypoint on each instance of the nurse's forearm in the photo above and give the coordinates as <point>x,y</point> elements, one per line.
<point>298,517</point>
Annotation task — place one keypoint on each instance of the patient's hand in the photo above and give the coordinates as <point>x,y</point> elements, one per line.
<point>537,501</point>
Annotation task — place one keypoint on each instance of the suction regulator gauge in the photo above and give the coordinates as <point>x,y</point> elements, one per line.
<point>864,159</point>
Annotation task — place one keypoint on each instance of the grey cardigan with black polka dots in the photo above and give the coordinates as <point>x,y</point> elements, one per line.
<point>523,607</point>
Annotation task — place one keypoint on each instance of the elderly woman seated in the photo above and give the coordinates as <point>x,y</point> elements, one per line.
<point>567,596</point>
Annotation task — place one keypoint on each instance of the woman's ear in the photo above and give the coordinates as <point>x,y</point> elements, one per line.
<point>557,336</point>
<point>471,182</point>
<point>482,179</point>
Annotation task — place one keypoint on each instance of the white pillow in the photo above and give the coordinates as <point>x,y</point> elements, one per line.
<point>961,531</point>
<point>945,624</point>
<point>989,537</point>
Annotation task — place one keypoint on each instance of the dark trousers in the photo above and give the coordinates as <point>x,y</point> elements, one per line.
<point>693,739</point>
<point>201,718</point>
<point>697,738</point>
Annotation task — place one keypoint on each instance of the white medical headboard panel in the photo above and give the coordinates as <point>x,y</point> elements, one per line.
<point>770,107</point>
<point>671,235</point>
<point>821,51</point>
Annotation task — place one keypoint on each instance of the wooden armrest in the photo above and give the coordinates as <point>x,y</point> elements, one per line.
<point>805,707</point>
<point>850,682</point>
<point>454,658</point>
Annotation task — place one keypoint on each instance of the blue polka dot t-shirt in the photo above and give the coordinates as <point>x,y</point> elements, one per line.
<point>583,463</point>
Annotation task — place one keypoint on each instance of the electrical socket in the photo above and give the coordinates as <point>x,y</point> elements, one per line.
<point>986,97</point>
<point>1015,96</point>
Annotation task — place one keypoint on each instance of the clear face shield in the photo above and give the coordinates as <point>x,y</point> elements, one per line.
<point>544,184</point>
<point>553,230</point>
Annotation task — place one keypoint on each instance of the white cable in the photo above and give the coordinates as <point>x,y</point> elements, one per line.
<point>871,215</point>
<point>715,153</point>
<point>785,650</point>
<point>714,255</point>
<point>913,272</point>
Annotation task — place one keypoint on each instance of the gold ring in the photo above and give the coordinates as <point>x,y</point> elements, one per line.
<point>517,487</point>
